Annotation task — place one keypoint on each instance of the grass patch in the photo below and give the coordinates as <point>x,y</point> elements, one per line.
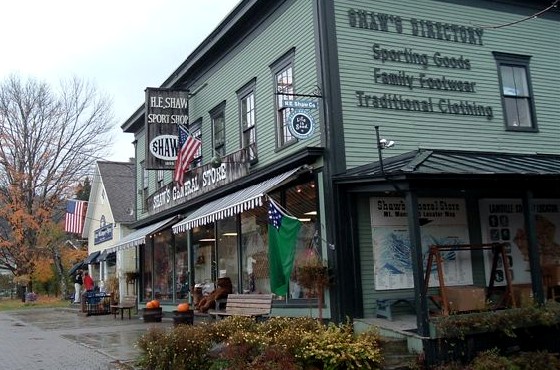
<point>7,304</point>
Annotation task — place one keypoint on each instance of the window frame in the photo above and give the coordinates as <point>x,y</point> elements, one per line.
<point>216,113</point>
<point>248,131</point>
<point>195,129</point>
<point>160,176</point>
<point>284,137</point>
<point>520,61</point>
<point>144,191</point>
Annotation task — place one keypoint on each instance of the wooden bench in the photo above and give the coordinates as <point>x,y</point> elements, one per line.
<point>128,302</point>
<point>248,305</point>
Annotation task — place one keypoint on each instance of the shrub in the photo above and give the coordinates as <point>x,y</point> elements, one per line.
<point>541,360</point>
<point>190,346</point>
<point>505,321</point>
<point>152,345</point>
<point>336,347</point>
<point>491,360</point>
<point>241,343</point>
<point>221,330</point>
<point>184,347</point>
<point>289,333</point>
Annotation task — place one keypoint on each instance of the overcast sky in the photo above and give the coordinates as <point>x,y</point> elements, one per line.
<point>123,46</point>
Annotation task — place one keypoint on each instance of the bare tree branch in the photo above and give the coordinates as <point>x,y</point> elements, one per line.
<point>49,141</point>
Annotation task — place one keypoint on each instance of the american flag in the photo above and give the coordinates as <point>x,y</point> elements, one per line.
<point>188,147</point>
<point>75,216</point>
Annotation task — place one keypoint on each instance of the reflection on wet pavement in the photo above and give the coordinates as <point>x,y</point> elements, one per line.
<point>113,337</point>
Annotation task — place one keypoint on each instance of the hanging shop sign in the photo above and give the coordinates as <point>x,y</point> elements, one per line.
<point>103,234</point>
<point>301,124</point>
<point>299,104</point>
<point>165,109</point>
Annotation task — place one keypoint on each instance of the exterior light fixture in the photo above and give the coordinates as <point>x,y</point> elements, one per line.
<point>382,144</point>
<point>216,161</point>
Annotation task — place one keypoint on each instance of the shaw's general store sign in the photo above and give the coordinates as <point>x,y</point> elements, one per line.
<point>200,181</point>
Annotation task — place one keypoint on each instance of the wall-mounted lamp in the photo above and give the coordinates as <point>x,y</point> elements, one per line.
<point>216,160</point>
<point>242,156</point>
<point>382,144</point>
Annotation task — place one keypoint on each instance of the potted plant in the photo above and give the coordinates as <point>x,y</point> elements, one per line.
<point>311,273</point>
<point>183,315</point>
<point>112,288</point>
<point>152,312</point>
<point>505,321</point>
<point>131,276</point>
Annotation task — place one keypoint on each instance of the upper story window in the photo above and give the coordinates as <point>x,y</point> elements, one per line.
<point>145,175</point>
<point>195,129</point>
<point>517,96</point>
<point>247,118</point>
<point>283,72</point>
<point>217,116</point>
<point>144,186</point>
<point>160,174</point>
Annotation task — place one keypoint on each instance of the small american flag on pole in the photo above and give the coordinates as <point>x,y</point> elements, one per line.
<point>75,216</point>
<point>188,147</point>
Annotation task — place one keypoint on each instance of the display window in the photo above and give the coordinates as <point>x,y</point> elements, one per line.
<point>147,269</point>
<point>254,252</point>
<point>235,247</point>
<point>181,267</point>
<point>163,266</point>
<point>226,242</point>
<point>204,258</point>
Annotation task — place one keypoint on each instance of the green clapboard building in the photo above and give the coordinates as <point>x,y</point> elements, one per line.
<point>405,136</point>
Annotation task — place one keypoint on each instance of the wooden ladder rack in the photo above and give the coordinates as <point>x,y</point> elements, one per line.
<point>498,250</point>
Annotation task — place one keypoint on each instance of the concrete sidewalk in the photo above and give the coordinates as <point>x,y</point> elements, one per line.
<point>46,339</point>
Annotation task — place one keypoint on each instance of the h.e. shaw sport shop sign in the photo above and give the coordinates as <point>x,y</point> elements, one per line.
<point>165,109</point>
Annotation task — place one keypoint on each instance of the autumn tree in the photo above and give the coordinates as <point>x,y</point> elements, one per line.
<point>49,141</point>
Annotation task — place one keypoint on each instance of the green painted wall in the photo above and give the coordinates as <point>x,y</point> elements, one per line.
<point>366,255</point>
<point>252,60</point>
<point>538,38</point>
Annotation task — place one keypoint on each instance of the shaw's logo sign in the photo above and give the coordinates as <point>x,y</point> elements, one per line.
<point>164,147</point>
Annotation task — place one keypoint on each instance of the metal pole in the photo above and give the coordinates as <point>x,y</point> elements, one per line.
<point>379,150</point>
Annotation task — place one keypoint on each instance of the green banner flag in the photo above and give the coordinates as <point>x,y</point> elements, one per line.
<point>283,232</point>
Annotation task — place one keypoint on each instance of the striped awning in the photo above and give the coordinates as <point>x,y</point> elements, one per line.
<point>138,237</point>
<point>231,204</point>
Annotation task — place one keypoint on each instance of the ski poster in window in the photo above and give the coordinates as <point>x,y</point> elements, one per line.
<point>443,221</point>
<point>502,220</point>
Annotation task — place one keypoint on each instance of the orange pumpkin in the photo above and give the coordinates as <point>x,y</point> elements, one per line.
<point>183,307</point>
<point>150,304</point>
<point>156,303</point>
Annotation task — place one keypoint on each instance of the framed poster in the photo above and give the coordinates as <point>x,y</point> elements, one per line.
<point>502,221</point>
<point>443,221</point>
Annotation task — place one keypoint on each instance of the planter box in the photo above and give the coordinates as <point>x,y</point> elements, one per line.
<point>551,274</point>
<point>183,317</point>
<point>523,294</point>
<point>465,298</point>
<point>152,314</point>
